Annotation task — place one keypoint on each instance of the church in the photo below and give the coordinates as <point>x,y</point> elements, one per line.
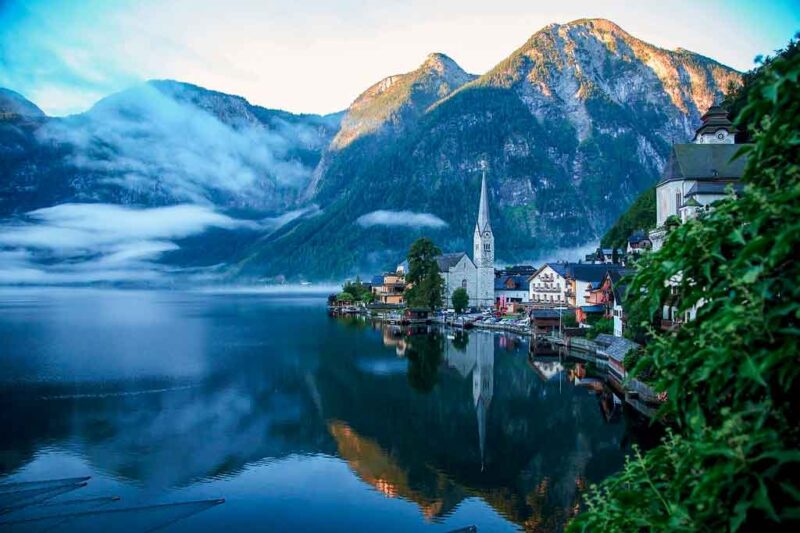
<point>698,173</point>
<point>476,275</point>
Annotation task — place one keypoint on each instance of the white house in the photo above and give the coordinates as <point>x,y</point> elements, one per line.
<point>699,173</point>
<point>548,285</point>
<point>511,289</point>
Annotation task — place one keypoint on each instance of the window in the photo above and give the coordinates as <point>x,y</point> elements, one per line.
<point>677,200</point>
<point>487,247</point>
<point>463,284</point>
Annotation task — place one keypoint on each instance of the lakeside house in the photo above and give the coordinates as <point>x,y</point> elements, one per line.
<point>389,288</point>
<point>511,291</point>
<point>547,286</point>
<point>610,295</point>
<point>698,173</point>
<point>605,256</point>
<point>638,242</point>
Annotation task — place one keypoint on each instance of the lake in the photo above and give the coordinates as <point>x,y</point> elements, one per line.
<point>172,401</point>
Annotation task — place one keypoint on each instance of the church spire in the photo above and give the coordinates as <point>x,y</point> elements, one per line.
<point>483,209</point>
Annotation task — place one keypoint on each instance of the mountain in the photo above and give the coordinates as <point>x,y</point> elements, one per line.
<point>159,143</point>
<point>572,127</point>
<point>15,106</point>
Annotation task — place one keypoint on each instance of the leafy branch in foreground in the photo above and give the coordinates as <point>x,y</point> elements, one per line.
<point>733,459</point>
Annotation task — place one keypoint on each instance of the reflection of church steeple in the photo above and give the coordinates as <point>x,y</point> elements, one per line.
<point>483,386</point>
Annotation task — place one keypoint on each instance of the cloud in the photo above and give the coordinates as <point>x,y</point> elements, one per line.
<point>408,219</point>
<point>88,243</point>
<point>161,140</point>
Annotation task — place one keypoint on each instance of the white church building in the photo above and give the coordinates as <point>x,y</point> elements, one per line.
<point>476,275</point>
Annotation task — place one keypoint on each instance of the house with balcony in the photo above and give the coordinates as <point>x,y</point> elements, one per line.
<point>390,288</point>
<point>547,287</point>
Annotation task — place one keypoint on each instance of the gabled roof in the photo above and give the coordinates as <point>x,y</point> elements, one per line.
<point>448,261</point>
<point>590,273</point>
<point>704,162</point>
<point>617,286</point>
<point>714,187</point>
<point>520,283</point>
<point>377,280</point>
<point>559,268</point>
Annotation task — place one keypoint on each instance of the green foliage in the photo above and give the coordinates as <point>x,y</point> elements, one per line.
<point>358,291</point>
<point>601,325</point>
<point>568,320</point>
<point>423,274</point>
<point>345,297</point>
<point>641,215</point>
<point>460,300</point>
<point>732,374</point>
<point>424,359</point>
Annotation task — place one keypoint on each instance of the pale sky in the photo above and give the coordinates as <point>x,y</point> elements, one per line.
<point>317,56</point>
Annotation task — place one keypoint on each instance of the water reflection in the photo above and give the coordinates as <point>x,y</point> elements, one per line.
<point>433,418</point>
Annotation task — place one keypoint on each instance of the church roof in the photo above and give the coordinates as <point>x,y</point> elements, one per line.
<point>483,210</point>
<point>715,119</point>
<point>713,187</point>
<point>448,261</point>
<point>704,162</point>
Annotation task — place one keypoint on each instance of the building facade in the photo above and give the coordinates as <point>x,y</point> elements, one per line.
<point>476,275</point>
<point>548,286</point>
<point>483,251</point>
<point>699,173</point>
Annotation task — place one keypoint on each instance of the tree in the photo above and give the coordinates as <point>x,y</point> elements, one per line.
<point>731,375</point>
<point>421,257</point>
<point>423,274</point>
<point>460,300</point>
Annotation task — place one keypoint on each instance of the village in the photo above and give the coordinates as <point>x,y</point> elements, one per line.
<point>581,306</point>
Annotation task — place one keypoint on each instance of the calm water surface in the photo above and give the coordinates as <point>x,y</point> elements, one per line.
<point>299,421</point>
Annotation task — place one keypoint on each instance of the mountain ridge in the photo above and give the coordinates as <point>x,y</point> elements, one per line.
<point>572,126</point>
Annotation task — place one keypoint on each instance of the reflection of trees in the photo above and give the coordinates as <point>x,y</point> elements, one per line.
<point>424,355</point>
<point>541,449</point>
<point>460,340</point>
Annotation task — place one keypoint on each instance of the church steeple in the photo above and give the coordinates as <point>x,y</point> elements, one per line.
<point>483,209</point>
<point>483,248</point>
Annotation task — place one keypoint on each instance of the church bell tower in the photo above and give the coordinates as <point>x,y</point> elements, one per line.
<point>483,255</point>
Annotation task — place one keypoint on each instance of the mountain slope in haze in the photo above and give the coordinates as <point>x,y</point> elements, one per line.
<point>161,143</point>
<point>572,127</point>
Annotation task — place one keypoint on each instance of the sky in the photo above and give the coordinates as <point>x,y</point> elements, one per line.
<point>317,56</point>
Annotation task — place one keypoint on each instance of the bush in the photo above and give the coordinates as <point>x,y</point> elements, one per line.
<point>732,375</point>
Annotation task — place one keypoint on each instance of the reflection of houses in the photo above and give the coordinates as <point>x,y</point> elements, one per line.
<point>546,369</point>
<point>393,336</point>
